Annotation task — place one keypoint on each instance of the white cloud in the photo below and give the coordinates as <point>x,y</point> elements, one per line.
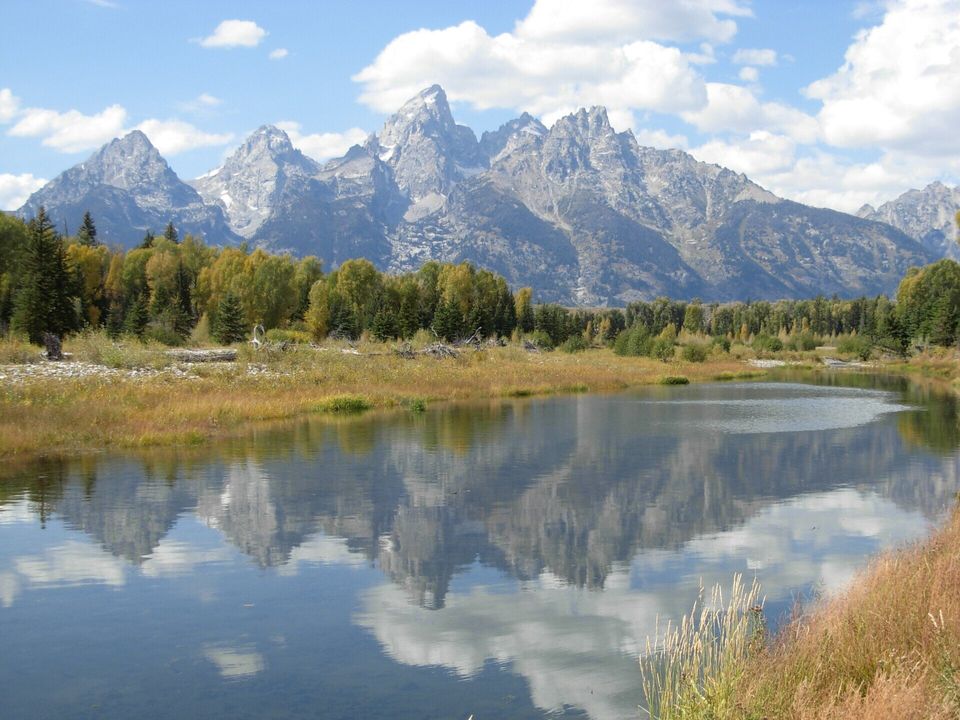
<point>171,137</point>
<point>9,105</point>
<point>279,54</point>
<point>659,139</point>
<point>322,146</point>
<point>560,57</point>
<point>71,131</point>
<point>208,100</point>
<point>761,152</point>
<point>899,86</point>
<point>203,103</point>
<point>734,108</point>
<point>625,20</point>
<point>749,74</point>
<point>754,56</point>
<point>235,33</point>
<point>14,191</point>
<point>104,4</point>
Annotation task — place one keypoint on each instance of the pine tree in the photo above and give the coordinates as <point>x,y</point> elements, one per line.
<point>229,326</point>
<point>447,322</point>
<point>137,317</point>
<point>384,326</point>
<point>171,233</point>
<point>147,242</point>
<point>87,235</point>
<point>43,303</point>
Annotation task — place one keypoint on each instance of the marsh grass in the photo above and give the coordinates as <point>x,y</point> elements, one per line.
<point>71,415</point>
<point>886,648</point>
<point>693,671</point>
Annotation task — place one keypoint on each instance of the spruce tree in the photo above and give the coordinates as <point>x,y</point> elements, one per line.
<point>384,326</point>
<point>87,235</point>
<point>137,317</point>
<point>171,233</point>
<point>229,325</point>
<point>147,241</point>
<point>43,303</point>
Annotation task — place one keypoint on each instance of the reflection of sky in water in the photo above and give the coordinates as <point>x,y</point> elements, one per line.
<point>830,409</point>
<point>239,587</point>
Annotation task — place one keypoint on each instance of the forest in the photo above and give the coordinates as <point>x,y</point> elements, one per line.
<point>181,291</point>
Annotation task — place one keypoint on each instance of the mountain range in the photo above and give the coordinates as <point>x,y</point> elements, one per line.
<point>928,216</point>
<point>582,213</point>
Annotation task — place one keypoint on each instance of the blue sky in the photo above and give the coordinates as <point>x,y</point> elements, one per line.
<point>831,103</point>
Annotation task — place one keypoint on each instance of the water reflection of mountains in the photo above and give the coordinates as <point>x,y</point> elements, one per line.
<point>570,485</point>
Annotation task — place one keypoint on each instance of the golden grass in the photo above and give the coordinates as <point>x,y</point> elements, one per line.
<point>69,415</point>
<point>888,647</point>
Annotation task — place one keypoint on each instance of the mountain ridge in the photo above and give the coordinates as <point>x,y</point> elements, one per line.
<point>583,213</point>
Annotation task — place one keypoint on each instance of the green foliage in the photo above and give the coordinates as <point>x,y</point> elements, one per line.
<point>384,326</point>
<point>418,405</point>
<point>43,303</point>
<point>345,404</point>
<point>767,343</point>
<point>928,302</point>
<point>229,326</point>
<point>662,349</point>
<point>802,342</point>
<point>858,345</point>
<point>634,342</point>
<point>541,340</point>
<point>87,234</point>
<point>574,344</point>
<point>674,380</point>
<point>694,353</point>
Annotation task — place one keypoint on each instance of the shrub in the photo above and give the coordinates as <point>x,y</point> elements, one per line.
<point>662,349</point>
<point>574,344</point>
<point>541,340</point>
<point>418,405</point>
<point>803,342</point>
<point>694,353</point>
<point>290,336</point>
<point>674,380</point>
<point>858,345</point>
<point>723,343</point>
<point>634,342</point>
<point>767,343</point>
<point>345,404</point>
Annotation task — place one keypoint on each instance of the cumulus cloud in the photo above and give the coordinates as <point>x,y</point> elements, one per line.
<point>748,56</point>
<point>279,54</point>
<point>899,85</point>
<point>322,146</point>
<point>761,152</point>
<point>235,33</point>
<point>171,137</point>
<point>9,105</point>
<point>734,108</point>
<point>560,57</point>
<point>14,191</point>
<point>71,131</point>
<point>749,74</point>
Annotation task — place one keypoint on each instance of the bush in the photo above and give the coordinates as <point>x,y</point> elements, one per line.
<point>345,404</point>
<point>674,380</point>
<point>858,345</point>
<point>289,336</point>
<point>574,344</point>
<point>694,353</point>
<point>767,343</point>
<point>541,340</point>
<point>662,349</point>
<point>722,342</point>
<point>803,342</point>
<point>633,342</point>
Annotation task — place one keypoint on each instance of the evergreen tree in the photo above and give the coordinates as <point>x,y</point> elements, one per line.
<point>229,326</point>
<point>409,319</point>
<point>170,233</point>
<point>447,322</point>
<point>43,303</point>
<point>147,242</point>
<point>384,326</point>
<point>87,235</point>
<point>137,317</point>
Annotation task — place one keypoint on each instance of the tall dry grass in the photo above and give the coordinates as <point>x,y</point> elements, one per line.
<point>888,647</point>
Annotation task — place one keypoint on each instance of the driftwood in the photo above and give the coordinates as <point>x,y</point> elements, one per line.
<point>531,347</point>
<point>437,350</point>
<point>201,356</point>
<point>54,350</point>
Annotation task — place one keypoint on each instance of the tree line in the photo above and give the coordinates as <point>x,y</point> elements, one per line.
<point>169,288</point>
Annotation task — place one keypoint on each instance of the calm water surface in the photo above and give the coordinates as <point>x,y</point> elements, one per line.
<point>505,559</point>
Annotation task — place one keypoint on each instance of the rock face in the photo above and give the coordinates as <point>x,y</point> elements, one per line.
<point>257,179</point>
<point>927,216</point>
<point>582,213</point>
<point>129,189</point>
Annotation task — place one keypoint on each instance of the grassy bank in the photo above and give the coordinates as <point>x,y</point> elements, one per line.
<point>135,396</point>
<point>888,647</point>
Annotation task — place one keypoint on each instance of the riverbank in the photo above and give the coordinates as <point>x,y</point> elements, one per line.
<point>888,647</point>
<point>110,396</point>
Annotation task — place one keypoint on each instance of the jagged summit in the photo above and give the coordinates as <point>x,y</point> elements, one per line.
<point>250,185</point>
<point>579,211</point>
<point>927,215</point>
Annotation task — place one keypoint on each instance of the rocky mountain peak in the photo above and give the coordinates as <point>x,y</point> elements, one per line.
<point>249,185</point>
<point>926,215</point>
<point>513,134</point>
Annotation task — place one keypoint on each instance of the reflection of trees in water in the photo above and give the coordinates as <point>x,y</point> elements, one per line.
<point>571,486</point>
